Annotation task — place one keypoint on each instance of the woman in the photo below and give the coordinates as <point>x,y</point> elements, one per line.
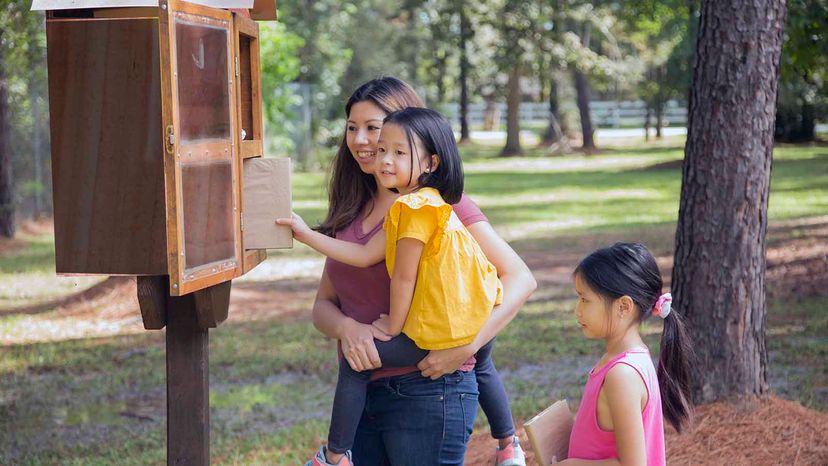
<point>420,415</point>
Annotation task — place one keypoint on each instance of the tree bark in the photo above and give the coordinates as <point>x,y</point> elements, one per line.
<point>647,123</point>
<point>7,227</point>
<point>719,274</point>
<point>659,103</point>
<point>553,131</point>
<point>582,89</point>
<point>465,33</point>
<point>512,147</point>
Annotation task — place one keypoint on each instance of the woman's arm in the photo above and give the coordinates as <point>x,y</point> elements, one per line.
<point>357,339</point>
<point>403,281</point>
<point>354,254</point>
<point>518,285</point>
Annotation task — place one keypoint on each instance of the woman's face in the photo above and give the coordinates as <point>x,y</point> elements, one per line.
<point>362,131</point>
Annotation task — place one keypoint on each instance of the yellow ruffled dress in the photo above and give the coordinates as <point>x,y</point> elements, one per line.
<point>457,286</point>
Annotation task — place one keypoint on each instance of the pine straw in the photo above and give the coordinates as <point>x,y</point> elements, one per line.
<point>765,432</point>
<point>770,431</point>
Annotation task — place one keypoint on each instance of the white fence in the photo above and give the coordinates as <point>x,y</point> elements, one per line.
<point>605,113</point>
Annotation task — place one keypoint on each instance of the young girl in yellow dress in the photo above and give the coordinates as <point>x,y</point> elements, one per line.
<point>442,285</point>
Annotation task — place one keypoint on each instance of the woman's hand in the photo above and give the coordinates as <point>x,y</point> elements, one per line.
<point>301,231</point>
<point>441,362</point>
<point>358,346</point>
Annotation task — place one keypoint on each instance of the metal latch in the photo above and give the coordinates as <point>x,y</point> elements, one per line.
<point>169,140</point>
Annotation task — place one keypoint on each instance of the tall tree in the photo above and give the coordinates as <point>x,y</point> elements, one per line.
<point>465,37</point>
<point>515,23</point>
<point>803,90</point>
<point>582,90</point>
<point>719,272</point>
<point>554,131</point>
<point>6,180</point>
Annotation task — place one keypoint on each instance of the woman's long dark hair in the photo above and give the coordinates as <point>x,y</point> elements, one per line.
<point>628,269</point>
<point>350,189</point>
<point>435,133</point>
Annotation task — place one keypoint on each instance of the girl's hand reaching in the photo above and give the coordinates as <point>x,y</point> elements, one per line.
<point>301,231</point>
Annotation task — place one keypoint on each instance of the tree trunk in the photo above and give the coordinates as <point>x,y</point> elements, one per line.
<point>553,131</point>
<point>6,179</point>
<point>36,62</point>
<point>513,116</point>
<point>465,32</point>
<point>582,89</point>
<point>719,273</point>
<point>647,123</point>
<point>659,101</point>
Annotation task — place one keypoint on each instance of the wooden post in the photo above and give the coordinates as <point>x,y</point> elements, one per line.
<point>188,401</point>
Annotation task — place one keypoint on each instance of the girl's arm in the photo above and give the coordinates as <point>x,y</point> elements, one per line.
<point>357,339</point>
<point>624,391</point>
<point>403,281</point>
<point>518,284</point>
<point>353,254</point>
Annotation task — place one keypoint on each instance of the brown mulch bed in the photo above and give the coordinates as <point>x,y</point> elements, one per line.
<point>771,431</point>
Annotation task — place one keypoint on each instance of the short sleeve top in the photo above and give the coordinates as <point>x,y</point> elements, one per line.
<point>456,286</point>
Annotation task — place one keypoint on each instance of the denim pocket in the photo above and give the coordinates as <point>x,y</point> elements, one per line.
<point>468,404</point>
<point>419,388</point>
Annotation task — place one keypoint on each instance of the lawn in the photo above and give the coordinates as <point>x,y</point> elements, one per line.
<point>101,399</point>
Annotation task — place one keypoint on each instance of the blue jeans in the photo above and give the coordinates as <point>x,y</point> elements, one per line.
<point>401,351</point>
<point>411,420</point>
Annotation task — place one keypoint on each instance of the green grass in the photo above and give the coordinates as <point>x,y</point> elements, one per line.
<point>102,400</point>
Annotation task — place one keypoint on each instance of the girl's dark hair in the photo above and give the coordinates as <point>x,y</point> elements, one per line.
<point>350,188</point>
<point>628,269</point>
<point>435,133</point>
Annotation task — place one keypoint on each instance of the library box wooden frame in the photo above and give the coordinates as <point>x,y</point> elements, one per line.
<point>147,145</point>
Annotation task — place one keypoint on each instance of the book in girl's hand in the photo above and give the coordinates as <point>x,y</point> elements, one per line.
<point>549,431</point>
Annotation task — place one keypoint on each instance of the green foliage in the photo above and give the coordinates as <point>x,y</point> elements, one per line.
<point>803,84</point>
<point>279,66</point>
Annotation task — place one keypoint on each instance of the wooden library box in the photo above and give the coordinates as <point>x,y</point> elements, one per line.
<point>154,107</point>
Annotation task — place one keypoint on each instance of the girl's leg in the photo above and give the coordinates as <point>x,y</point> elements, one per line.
<point>351,388</point>
<point>493,397</point>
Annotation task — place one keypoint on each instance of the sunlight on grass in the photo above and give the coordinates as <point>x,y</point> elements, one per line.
<point>102,400</point>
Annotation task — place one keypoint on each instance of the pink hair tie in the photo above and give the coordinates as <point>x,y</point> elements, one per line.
<point>663,305</point>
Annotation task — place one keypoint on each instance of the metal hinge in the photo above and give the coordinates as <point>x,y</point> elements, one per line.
<point>242,221</point>
<point>237,66</point>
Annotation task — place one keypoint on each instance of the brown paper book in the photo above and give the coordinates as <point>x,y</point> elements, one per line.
<point>266,198</point>
<point>549,431</point>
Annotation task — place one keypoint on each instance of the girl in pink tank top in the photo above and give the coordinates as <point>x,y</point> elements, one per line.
<point>621,416</point>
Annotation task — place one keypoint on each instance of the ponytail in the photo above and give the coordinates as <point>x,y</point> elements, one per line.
<point>629,269</point>
<point>674,372</point>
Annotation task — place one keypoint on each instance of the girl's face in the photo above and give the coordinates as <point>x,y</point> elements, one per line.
<point>362,131</point>
<point>591,311</point>
<point>394,159</point>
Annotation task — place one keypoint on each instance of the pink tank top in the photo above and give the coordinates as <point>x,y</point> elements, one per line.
<point>588,441</point>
